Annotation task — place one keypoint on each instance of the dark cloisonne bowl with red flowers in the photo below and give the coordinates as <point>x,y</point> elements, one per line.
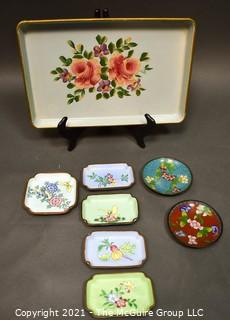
<point>195,224</point>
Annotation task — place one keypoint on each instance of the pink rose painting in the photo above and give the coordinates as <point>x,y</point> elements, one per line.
<point>110,69</point>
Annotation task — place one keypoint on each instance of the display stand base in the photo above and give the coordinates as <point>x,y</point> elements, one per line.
<point>137,131</point>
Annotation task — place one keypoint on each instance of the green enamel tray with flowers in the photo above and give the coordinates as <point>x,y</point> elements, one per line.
<point>119,294</point>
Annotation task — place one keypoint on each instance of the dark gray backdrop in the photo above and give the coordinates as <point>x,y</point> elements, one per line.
<point>41,264</point>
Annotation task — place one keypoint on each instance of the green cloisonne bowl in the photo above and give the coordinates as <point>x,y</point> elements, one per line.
<point>167,176</point>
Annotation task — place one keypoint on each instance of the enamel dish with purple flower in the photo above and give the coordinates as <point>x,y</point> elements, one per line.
<point>108,176</point>
<point>167,176</point>
<point>195,224</point>
<point>51,193</point>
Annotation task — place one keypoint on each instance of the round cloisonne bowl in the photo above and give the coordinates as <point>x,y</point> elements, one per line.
<point>167,176</point>
<point>195,224</point>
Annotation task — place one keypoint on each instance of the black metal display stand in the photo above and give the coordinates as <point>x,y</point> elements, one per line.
<point>138,131</point>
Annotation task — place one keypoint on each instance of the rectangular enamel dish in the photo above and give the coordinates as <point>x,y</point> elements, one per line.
<point>119,294</point>
<point>108,176</point>
<point>114,249</point>
<point>111,209</point>
<point>105,72</point>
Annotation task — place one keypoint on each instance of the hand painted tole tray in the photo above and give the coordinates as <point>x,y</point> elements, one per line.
<point>114,249</point>
<point>51,193</point>
<point>111,209</point>
<point>108,176</point>
<point>119,294</point>
<point>105,72</point>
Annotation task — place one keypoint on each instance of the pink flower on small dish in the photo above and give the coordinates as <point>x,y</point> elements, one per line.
<point>192,239</point>
<point>55,201</point>
<point>195,224</point>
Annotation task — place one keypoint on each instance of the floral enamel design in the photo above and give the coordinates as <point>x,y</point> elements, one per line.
<point>110,216</point>
<point>165,171</point>
<point>109,69</point>
<point>108,250</point>
<point>195,224</point>
<point>119,297</point>
<point>107,180</point>
<point>51,194</point>
<point>103,181</point>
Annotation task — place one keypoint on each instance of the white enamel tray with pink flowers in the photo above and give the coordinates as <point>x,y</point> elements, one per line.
<point>104,72</point>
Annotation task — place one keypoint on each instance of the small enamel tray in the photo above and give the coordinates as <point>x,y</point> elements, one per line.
<point>108,176</point>
<point>110,209</point>
<point>114,249</point>
<point>119,294</point>
<point>51,193</point>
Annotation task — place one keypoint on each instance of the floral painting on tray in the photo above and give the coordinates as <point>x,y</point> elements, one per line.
<point>106,70</point>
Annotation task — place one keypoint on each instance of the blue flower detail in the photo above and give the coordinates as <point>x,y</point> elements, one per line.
<point>185,208</point>
<point>180,233</point>
<point>51,187</point>
<point>215,229</point>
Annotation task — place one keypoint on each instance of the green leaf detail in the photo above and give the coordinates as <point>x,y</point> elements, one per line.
<point>130,53</point>
<point>112,92</point>
<point>199,234</point>
<point>104,76</point>
<point>98,38</point>
<point>70,85</point>
<point>106,95</point>
<point>71,44</point>
<point>98,96</point>
<point>120,94</point>
<point>119,43</point>
<point>85,54</point>
<point>54,72</point>
<point>113,83</point>
<point>104,69</point>
<point>90,55</point>
<point>78,56</point>
<point>111,47</point>
<point>103,39</point>
<point>100,247</point>
<point>133,44</point>
<point>138,92</point>
<point>59,70</point>
<point>91,89</point>
<point>182,224</point>
<point>63,59</point>
<point>70,101</point>
<point>144,56</point>
<point>103,61</point>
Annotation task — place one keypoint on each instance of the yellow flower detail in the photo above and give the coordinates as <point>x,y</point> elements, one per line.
<point>128,285</point>
<point>149,179</point>
<point>68,186</point>
<point>116,255</point>
<point>129,39</point>
<point>78,46</point>
<point>183,179</point>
